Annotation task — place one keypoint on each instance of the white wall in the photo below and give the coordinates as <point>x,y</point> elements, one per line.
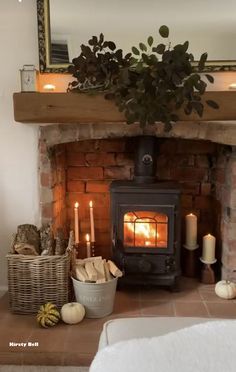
<point>18,142</point>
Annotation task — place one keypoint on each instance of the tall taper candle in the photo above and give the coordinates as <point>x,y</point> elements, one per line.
<point>208,248</point>
<point>88,245</point>
<point>92,222</point>
<point>191,230</point>
<point>76,213</point>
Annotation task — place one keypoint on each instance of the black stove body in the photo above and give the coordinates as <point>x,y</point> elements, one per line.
<point>146,223</point>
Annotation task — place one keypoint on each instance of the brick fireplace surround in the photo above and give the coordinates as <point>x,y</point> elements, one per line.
<point>78,162</point>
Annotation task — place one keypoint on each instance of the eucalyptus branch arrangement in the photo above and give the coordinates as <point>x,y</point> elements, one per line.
<point>150,84</point>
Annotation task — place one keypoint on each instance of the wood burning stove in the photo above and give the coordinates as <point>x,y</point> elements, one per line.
<point>146,223</point>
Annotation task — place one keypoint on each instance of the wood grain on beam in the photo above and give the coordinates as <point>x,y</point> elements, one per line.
<point>82,108</point>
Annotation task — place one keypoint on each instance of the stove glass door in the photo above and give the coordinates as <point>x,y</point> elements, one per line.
<point>145,229</point>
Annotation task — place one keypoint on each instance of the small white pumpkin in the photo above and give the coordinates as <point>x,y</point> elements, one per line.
<point>225,289</point>
<point>72,313</point>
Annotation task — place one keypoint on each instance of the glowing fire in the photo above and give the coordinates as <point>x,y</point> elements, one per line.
<point>142,231</point>
<point>143,227</point>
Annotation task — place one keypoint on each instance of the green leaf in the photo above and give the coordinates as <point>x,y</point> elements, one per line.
<point>150,40</point>
<point>188,108</point>
<point>145,58</point>
<point>101,38</point>
<point>142,47</point>
<point>191,57</point>
<point>160,48</point>
<point>198,107</point>
<point>210,78</point>
<point>185,46</point>
<point>93,41</point>
<point>133,61</point>
<point>202,61</point>
<point>164,31</point>
<point>111,45</point>
<point>135,51</point>
<point>212,104</point>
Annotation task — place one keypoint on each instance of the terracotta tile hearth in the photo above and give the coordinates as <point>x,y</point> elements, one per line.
<point>77,344</point>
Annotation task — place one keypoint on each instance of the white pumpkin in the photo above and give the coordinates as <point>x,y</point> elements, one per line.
<point>72,313</point>
<point>225,289</point>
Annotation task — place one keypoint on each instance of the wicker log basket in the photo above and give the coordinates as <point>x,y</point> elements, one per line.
<point>35,280</point>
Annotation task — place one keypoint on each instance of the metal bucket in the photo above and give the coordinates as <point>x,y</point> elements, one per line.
<point>97,298</point>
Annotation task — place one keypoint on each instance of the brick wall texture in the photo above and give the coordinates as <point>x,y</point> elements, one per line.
<point>82,171</point>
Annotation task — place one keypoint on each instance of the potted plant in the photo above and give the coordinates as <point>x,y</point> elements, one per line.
<point>149,85</point>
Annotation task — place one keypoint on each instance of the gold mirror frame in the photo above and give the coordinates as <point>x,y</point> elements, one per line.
<point>44,42</point>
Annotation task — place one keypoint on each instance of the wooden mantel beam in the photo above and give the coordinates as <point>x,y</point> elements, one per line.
<point>82,108</point>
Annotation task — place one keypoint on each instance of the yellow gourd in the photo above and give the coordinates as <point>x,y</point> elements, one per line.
<point>48,315</point>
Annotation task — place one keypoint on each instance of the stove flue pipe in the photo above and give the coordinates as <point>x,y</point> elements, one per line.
<point>145,159</point>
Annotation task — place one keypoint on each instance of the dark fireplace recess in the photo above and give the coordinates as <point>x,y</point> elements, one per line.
<point>146,223</point>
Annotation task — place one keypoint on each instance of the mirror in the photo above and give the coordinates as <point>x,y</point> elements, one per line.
<point>63,25</point>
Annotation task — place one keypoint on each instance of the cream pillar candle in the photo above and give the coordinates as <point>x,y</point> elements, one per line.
<point>76,217</point>
<point>92,222</point>
<point>191,230</point>
<point>88,245</point>
<point>208,248</point>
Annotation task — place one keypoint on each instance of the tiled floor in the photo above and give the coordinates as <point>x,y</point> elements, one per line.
<point>77,344</point>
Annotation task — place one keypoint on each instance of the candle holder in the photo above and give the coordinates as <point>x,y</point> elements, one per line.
<point>190,261</point>
<point>207,273</point>
<point>92,249</point>
<point>191,248</point>
<point>76,250</point>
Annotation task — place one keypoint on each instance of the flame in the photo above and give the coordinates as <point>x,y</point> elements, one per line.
<point>91,204</point>
<point>87,237</point>
<point>76,205</point>
<point>143,229</point>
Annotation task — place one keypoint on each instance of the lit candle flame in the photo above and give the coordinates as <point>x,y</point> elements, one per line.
<point>76,205</point>
<point>87,237</point>
<point>49,87</point>
<point>91,204</point>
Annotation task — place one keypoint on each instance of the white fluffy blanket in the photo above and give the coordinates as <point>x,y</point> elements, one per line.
<point>206,347</point>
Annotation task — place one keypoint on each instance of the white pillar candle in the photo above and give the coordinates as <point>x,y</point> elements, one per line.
<point>92,222</point>
<point>208,248</point>
<point>88,245</point>
<point>76,217</point>
<point>191,230</point>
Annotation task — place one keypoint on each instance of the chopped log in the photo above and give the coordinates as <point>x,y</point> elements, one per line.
<point>101,280</point>
<point>90,270</point>
<point>107,272</point>
<point>114,269</point>
<point>81,273</point>
<point>47,240</point>
<point>28,234</point>
<point>99,267</point>
<point>73,261</point>
<point>81,261</point>
<point>12,245</point>
<point>71,241</point>
<point>60,242</point>
<point>26,249</point>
